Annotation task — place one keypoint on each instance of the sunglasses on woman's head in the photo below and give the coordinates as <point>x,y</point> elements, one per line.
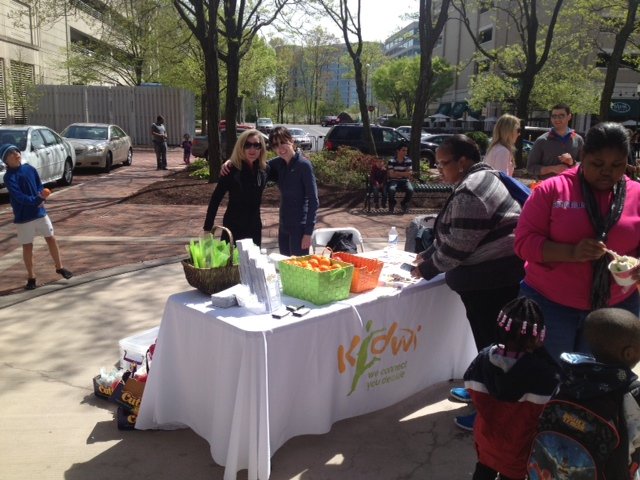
<point>249,145</point>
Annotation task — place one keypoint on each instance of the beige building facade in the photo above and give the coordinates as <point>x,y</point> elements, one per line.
<point>34,52</point>
<point>457,48</point>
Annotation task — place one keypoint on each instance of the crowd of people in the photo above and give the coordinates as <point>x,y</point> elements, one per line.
<point>536,287</point>
<point>533,278</point>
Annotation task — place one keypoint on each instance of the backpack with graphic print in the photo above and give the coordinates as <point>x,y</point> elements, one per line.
<point>573,442</point>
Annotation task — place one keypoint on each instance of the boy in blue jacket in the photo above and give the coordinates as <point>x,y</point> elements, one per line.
<point>27,197</point>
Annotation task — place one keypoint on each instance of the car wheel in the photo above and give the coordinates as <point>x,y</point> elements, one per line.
<point>108,163</point>
<point>67,174</point>
<point>129,159</point>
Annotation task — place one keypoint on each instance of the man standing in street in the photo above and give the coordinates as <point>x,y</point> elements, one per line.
<point>557,150</point>
<point>159,137</point>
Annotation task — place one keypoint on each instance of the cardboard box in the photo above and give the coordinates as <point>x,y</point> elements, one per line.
<point>128,394</point>
<point>101,391</point>
<point>125,419</point>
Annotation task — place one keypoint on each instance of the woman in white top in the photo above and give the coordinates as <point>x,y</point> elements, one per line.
<point>500,153</point>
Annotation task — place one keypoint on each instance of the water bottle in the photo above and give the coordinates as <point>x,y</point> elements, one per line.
<point>392,244</point>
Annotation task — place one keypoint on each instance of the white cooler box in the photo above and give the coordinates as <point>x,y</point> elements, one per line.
<point>134,348</point>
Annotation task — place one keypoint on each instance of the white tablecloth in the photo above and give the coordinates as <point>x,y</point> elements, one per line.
<point>248,383</point>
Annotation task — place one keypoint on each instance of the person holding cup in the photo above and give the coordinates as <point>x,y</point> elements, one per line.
<point>565,231</point>
<point>558,149</point>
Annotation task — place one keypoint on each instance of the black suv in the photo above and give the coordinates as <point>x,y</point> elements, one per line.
<point>387,140</point>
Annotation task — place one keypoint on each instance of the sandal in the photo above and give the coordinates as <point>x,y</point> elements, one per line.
<point>64,272</point>
<point>31,284</point>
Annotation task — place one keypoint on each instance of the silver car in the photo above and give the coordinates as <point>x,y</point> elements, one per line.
<point>99,145</point>
<point>301,138</point>
<point>52,156</point>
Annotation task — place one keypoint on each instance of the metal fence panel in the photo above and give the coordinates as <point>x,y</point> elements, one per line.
<point>132,108</point>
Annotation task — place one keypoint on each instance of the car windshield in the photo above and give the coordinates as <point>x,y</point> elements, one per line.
<point>296,131</point>
<point>14,137</point>
<point>83,132</point>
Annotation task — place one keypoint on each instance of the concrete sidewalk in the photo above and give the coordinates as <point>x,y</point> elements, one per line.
<point>57,337</point>
<point>53,427</point>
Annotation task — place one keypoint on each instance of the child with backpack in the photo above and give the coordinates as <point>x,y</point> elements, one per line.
<point>591,426</point>
<point>509,383</point>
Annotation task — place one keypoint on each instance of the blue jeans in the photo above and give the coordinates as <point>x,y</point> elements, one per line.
<point>564,324</point>
<point>402,186</point>
<point>161,154</point>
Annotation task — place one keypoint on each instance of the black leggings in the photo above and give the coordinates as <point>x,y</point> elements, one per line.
<point>483,307</point>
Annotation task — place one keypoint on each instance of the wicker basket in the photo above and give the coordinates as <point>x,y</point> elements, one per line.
<point>213,280</point>
<point>366,272</point>
<point>316,287</point>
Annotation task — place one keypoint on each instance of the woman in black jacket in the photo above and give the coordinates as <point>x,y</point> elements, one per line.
<point>245,184</point>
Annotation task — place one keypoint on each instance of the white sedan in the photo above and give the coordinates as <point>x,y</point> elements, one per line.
<point>52,156</point>
<point>99,145</point>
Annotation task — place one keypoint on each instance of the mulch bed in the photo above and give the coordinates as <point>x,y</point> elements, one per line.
<point>181,189</point>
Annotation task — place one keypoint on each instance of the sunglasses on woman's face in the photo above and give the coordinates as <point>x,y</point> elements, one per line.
<point>249,145</point>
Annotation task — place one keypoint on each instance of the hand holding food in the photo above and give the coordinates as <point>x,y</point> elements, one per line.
<point>566,158</point>
<point>624,269</point>
<point>45,193</point>
<point>588,249</point>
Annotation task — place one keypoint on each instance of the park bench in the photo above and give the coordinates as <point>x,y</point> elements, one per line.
<point>420,190</point>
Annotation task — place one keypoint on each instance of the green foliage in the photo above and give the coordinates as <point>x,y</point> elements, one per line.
<point>345,167</point>
<point>395,83</point>
<point>209,252</point>
<point>126,51</point>
<point>199,169</point>
<point>566,77</point>
<point>398,122</point>
<point>480,138</point>
<point>426,174</point>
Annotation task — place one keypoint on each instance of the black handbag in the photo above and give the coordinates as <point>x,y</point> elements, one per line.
<point>342,242</point>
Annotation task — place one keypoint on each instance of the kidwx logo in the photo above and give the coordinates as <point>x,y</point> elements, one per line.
<point>363,353</point>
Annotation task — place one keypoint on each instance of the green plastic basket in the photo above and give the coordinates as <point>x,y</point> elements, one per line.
<point>317,287</point>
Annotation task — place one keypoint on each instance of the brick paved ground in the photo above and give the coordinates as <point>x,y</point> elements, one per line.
<point>95,231</point>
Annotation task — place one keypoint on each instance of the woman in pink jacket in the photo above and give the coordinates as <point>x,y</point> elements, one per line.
<point>563,233</point>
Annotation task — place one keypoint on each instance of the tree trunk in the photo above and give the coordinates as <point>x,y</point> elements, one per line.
<point>231,104</point>
<point>429,34</point>
<point>615,59</point>
<point>203,112</point>
<point>212,79</point>
<point>522,109</point>
<point>420,108</point>
<point>362,103</point>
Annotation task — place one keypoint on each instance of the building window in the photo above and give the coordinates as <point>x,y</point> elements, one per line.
<point>21,23</point>
<point>3,95</point>
<point>21,91</point>
<point>485,35</point>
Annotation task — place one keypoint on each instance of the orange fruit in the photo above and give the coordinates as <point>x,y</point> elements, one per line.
<point>46,192</point>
